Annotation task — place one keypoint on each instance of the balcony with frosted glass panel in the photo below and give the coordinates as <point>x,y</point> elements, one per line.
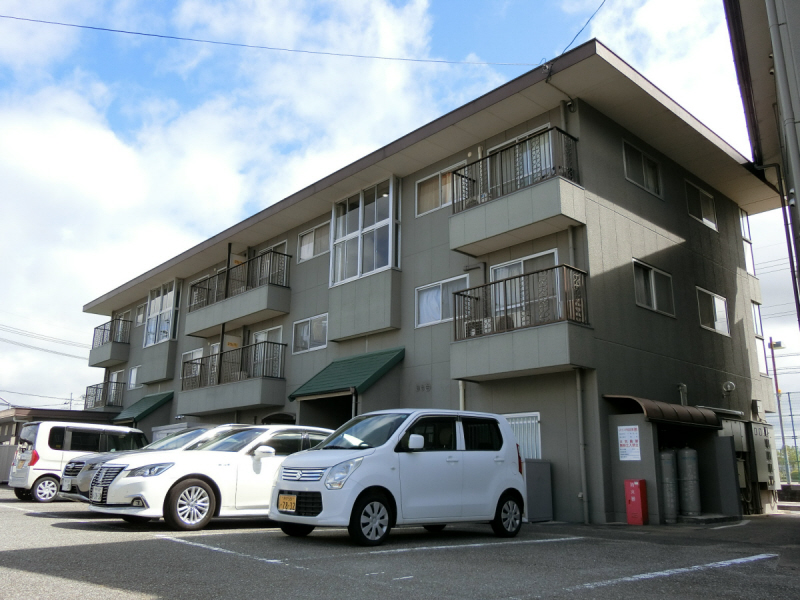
<point>523,192</point>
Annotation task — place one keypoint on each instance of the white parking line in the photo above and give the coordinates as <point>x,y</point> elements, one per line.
<point>739,524</point>
<point>222,550</point>
<point>460,546</point>
<point>670,572</point>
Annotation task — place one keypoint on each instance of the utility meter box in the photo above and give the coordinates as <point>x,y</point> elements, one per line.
<point>766,455</point>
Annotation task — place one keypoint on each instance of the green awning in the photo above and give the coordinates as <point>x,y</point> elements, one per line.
<point>139,410</point>
<point>359,372</point>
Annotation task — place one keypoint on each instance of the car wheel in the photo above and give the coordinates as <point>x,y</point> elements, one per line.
<point>23,494</point>
<point>370,521</point>
<point>136,519</point>
<point>434,528</point>
<point>296,529</point>
<point>508,518</point>
<point>45,489</point>
<point>189,505</point>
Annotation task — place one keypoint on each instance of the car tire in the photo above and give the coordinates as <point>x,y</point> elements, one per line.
<point>508,517</point>
<point>136,519</point>
<point>23,494</point>
<point>189,505</point>
<point>45,489</point>
<point>296,529</point>
<point>371,520</point>
<point>434,528</point>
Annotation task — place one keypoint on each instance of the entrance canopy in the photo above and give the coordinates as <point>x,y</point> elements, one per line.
<point>139,410</point>
<point>664,412</point>
<point>343,375</point>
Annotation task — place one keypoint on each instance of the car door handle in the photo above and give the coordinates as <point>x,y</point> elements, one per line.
<point>499,459</point>
<point>452,459</point>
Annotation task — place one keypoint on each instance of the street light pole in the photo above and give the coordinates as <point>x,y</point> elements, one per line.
<point>780,415</point>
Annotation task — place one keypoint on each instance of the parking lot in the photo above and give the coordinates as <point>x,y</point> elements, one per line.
<point>64,550</point>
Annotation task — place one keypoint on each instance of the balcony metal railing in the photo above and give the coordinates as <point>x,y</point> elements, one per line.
<point>268,268</point>
<point>529,300</point>
<point>263,359</point>
<point>549,154</point>
<point>116,330</point>
<point>108,393</point>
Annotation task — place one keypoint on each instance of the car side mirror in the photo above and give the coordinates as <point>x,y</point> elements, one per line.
<point>416,442</point>
<point>264,452</point>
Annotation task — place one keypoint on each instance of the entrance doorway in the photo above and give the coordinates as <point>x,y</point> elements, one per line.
<point>325,412</point>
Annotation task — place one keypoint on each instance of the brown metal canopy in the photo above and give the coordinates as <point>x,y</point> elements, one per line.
<point>676,414</point>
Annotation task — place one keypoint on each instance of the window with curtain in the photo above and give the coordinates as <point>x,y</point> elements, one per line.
<point>701,205</point>
<point>436,191</point>
<point>314,242</point>
<point>642,170</point>
<point>435,301</point>
<point>310,334</point>
<point>713,311</point>
<point>162,314</point>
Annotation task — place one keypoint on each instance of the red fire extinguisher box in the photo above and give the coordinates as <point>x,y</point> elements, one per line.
<point>636,501</point>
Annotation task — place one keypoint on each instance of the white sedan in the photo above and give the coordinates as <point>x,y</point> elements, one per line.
<point>230,475</point>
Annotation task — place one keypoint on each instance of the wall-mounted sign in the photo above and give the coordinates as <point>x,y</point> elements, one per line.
<point>628,436</point>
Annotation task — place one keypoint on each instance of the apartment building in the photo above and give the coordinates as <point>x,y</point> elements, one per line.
<point>570,250</point>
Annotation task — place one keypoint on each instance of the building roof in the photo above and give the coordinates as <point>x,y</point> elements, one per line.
<point>590,72</point>
<point>358,372</point>
<point>142,408</point>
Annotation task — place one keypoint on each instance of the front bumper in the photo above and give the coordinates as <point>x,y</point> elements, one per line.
<point>337,505</point>
<point>120,495</point>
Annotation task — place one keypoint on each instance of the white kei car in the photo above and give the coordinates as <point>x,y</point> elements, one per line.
<point>405,467</point>
<point>230,475</point>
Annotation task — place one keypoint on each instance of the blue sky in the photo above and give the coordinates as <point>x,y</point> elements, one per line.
<point>118,152</point>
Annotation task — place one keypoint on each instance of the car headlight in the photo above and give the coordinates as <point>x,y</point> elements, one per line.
<point>339,474</point>
<point>150,470</point>
<point>93,466</point>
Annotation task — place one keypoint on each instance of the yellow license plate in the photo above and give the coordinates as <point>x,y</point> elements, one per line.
<point>287,503</point>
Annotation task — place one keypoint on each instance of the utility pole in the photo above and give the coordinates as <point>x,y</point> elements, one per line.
<point>780,415</point>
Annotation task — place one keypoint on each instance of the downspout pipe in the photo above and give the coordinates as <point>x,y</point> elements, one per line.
<point>787,112</point>
<point>792,248</point>
<point>584,495</point>
<point>354,395</point>
<point>462,395</point>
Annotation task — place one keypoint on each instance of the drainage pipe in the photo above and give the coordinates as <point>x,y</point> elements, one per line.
<point>462,395</point>
<point>582,445</point>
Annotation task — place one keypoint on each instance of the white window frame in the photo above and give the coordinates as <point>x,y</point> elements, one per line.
<point>438,284</point>
<point>191,355</point>
<point>645,156</point>
<point>761,346</point>
<point>173,311</point>
<point>744,221</point>
<point>133,376</point>
<point>393,222</point>
<point>702,218</point>
<point>518,139</point>
<point>714,296</point>
<point>553,251</point>
<point>439,176</point>
<point>141,311</point>
<point>653,295</point>
<point>308,320</point>
<point>314,231</point>
<point>525,445</point>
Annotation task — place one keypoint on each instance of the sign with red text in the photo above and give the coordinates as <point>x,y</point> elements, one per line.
<point>629,448</point>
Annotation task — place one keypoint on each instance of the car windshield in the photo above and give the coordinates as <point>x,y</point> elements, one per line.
<point>366,431</point>
<point>118,442</point>
<point>231,440</point>
<point>176,440</point>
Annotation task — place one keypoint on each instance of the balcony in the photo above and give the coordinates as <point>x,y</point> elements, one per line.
<point>254,291</point>
<point>255,374</point>
<point>543,320</point>
<point>106,395</point>
<point>520,193</point>
<point>111,344</point>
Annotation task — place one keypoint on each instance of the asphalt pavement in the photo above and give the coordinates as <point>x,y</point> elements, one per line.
<point>63,550</point>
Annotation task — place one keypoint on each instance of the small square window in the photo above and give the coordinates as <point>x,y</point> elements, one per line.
<point>310,334</point>
<point>701,205</point>
<point>436,191</point>
<point>642,170</point>
<point>139,317</point>
<point>653,288</point>
<point>313,243</point>
<point>133,378</point>
<point>435,302</point>
<point>713,311</point>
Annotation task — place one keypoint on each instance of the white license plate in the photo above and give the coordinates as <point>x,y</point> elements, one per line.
<point>66,484</point>
<point>97,494</point>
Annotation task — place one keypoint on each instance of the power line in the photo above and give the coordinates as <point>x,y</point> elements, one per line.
<point>84,358</point>
<point>585,25</point>
<point>33,395</point>
<point>276,49</point>
<point>41,336</point>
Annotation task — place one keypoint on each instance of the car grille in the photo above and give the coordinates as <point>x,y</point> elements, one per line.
<point>289,474</point>
<point>309,504</point>
<point>103,478</point>
<point>73,468</point>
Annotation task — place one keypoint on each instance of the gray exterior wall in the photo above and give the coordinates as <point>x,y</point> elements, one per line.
<point>626,349</point>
